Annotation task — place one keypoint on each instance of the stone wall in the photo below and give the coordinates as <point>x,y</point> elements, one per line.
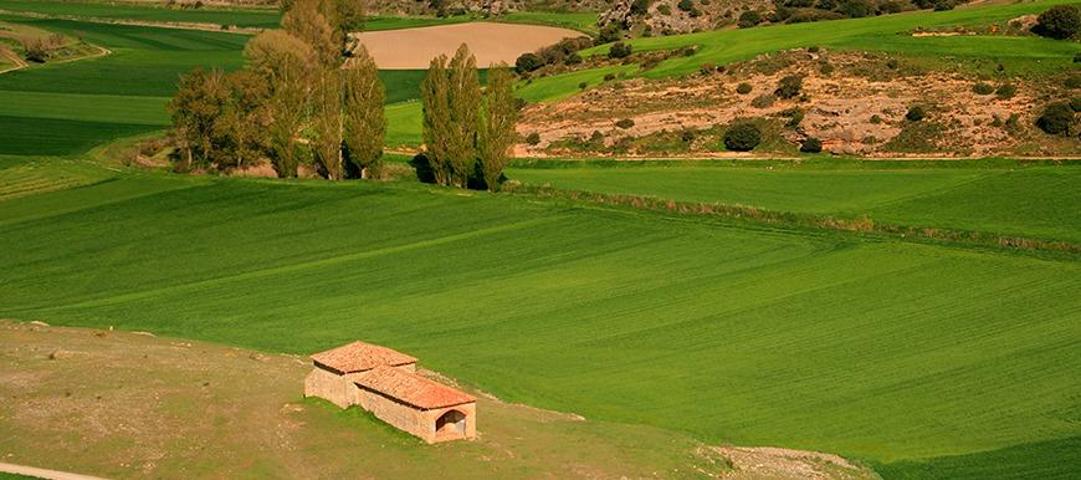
<point>330,386</point>
<point>400,415</point>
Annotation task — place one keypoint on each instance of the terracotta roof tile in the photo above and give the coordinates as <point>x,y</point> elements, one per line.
<point>360,356</point>
<point>412,389</point>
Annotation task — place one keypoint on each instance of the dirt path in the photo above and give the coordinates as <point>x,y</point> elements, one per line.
<point>414,48</point>
<point>14,58</point>
<point>43,473</point>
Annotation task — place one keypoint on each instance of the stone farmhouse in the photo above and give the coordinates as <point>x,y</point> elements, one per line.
<point>385,382</point>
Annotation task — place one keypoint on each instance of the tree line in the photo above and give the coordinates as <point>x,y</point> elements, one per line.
<point>308,95</point>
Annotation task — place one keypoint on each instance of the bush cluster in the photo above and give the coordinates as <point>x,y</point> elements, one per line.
<point>564,52</point>
<point>625,123</point>
<point>916,113</point>
<point>742,137</point>
<point>743,88</point>
<point>983,88</point>
<point>1059,22</point>
<point>811,145</point>
<point>619,50</point>
<point>1057,119</point>
<point>789,87</point>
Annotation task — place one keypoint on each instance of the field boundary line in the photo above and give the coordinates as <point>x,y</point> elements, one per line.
<point>44,472</point>
<point>860,225</point>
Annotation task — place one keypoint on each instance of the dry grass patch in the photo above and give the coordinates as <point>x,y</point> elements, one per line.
<point>129,404</point>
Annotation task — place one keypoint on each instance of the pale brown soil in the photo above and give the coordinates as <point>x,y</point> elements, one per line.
<point>134,405</point>
<point>838,110</point>
<point>414,48</point>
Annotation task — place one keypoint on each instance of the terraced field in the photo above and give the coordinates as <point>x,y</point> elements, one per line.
<point>764,337</point>
<point>261,18</point>
<point>68,108</point>
<point>1002,197</point>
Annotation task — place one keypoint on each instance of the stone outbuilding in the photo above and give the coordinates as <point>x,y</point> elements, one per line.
<point>385,382</point>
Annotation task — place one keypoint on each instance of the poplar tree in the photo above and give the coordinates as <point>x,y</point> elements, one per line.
<point>497,133</point>
<point>286,63</point>
<point>327,124</point>
<point>464,101</point>
<point>437,118</point>
<point>364,123</point>
<point>306,21</point>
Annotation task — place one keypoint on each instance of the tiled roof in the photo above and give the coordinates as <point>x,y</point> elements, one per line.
<point>360,356</point>
<point>412,389</point>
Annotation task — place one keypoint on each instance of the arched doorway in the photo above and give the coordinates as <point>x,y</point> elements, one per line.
<point>450,425</point>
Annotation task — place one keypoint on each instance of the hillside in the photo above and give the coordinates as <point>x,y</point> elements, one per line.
<point>581,313</point>
<point>231,412</point>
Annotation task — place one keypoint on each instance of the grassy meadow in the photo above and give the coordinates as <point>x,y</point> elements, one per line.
<point>921,360</point>
<point>1003,197</point>
<point>254,18</point>
<point>68,108</point>
<point>937,359</point>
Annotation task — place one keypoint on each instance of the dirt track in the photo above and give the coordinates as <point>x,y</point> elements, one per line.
<point>414,48</point>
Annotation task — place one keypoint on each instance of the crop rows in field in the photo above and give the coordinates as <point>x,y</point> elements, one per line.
<point>883,351</point>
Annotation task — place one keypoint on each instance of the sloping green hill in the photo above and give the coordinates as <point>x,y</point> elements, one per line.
<point>880,350</point>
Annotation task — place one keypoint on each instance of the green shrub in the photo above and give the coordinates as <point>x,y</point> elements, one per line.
<point>983,88</point>
<point>583,85</point>
<point>826,68</point>
<point>813,49</point>
<point>619,50</point>
<point>610,33</point>
<point>789,87</point>
<point>749,19</point>
<point>639,7</point>
<point>916,113</point>
<point>527,62</point>
<point>1075,104</point>
<point>795,117</point>
<point>1077,57</point>
<point>763,101</point>
<point>533,138</point>
<point>1059,22</point>
<point>742,137</point>
<point>1056,119</point>
<point>856,8</point>
<point>609,77</point>
<point>625,123</point>
<point>687,136</point>
<point>743,88</point>
<point>1005,91</point>
<point>1073,81</point>
<point>811,145</point>
<point>685,5</point>
<point>875,119</point>
<point>664,9</point>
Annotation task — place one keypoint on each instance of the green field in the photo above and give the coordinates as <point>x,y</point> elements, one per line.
<point>69,108</point>
<point>582,21</point>
<point>887,33</point>
<point>935,360</point>
<point>1005,198</point>
<point>257,18</point>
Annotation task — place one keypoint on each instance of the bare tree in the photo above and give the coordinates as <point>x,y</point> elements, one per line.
<point>365,124</point>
